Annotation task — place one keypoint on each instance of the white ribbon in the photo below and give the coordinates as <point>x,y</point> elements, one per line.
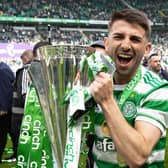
<point>72,148</point>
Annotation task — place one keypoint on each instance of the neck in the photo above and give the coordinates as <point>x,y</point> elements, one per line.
<point>122,78</point>
<point>118,79</point>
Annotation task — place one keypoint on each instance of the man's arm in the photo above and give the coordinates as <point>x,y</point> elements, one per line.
<point>134,144</point>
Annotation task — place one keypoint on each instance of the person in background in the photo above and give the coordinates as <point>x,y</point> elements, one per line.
<point>96,46</point>
<point>131,116</point>
<point>154,64</point>
<point>22,79</point>
<point>20,87</point>
<point>6,94</point>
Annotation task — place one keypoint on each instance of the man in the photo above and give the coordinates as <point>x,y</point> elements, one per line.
<point>6,93</point>
<point>22,78</point>
<point>154,64</point>
<point>20,88</point>
<point>130,121</point>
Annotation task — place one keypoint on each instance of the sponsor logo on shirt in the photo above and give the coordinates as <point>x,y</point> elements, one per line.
<point>105,145</point>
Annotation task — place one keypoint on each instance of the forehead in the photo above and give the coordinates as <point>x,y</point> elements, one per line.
<point>124,27</point>
<point>24,57</point>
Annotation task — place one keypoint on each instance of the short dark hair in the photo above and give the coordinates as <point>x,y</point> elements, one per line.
<point>27,53</point>
<point>98,43</point>
<point>151,55</point>
<point>132,16</point>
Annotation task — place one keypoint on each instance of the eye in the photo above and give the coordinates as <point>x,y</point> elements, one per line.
<point>118,36</point>
<point>136,39</point>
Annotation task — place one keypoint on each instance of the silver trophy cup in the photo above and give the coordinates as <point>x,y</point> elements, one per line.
<point>52,75</point>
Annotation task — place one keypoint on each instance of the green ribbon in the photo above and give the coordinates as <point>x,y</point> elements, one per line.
<point>34,149</point>
<point>124,96</point>
<point>129,88</point>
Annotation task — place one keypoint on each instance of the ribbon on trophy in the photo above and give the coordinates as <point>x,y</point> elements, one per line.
<point>34,148</point>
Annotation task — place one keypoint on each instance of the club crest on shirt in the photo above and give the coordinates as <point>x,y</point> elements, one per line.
<point>129,109</point>
<point>105,128</point>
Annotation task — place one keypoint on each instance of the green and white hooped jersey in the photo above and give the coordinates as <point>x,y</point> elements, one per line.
<point>147,102</point>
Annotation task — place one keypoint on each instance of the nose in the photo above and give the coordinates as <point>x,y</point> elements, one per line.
<point>159,63</point>
<point>126,44</point>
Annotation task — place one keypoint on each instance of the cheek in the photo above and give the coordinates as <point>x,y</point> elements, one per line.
<point>143,49</point>
<point>110,52</point>
<point>140,52</point>
<point>139,59</point>
<point>110,49</point>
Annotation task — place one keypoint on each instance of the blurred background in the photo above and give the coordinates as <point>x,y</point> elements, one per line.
<point>23,23</point>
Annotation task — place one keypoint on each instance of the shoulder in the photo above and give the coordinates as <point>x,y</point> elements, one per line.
<point>5,69</point>
<point>4,66</point>
<point>150,82</point>
<point>151,78</point>
<point>19,70</point>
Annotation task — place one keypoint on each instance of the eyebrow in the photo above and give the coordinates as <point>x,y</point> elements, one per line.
<point>134,36</point>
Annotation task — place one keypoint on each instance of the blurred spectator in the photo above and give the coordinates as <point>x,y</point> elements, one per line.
<point>6,94</point>
<point>154,64</point>
<point>20,88</point>
<point>95,9</point>
<point>98,46</point>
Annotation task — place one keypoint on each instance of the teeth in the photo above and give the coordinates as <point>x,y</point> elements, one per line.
<point>124,56</point>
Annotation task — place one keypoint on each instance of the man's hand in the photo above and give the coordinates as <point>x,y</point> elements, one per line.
<point>102,87</point>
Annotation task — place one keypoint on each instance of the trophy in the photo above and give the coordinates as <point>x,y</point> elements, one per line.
<point>52,75</point>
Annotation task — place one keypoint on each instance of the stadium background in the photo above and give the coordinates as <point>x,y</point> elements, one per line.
<point>24,22</point>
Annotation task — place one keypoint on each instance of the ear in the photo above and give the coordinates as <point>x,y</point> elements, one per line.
<point>148,48</point>
<point>106,42</point>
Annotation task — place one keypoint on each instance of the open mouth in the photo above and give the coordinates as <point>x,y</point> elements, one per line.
<point>124,59</point>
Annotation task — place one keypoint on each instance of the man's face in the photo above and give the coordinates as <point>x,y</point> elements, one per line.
<point>126,44</point>
<point>26,59</point>
<point>154,63</point>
